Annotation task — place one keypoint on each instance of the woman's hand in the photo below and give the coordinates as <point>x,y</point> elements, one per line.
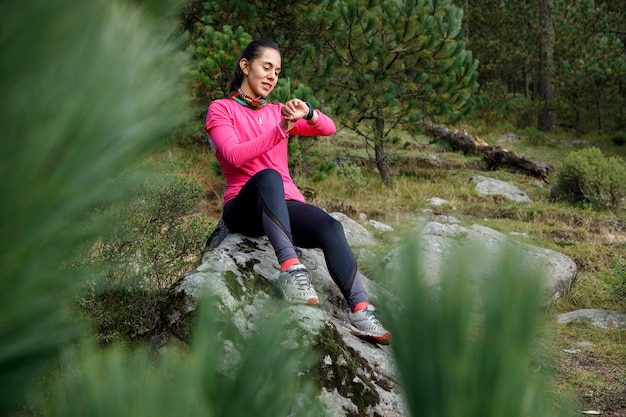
<point>295,109</point>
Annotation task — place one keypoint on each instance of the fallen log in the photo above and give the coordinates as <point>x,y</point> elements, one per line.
<point>459,140</point>
<point>495,156</point>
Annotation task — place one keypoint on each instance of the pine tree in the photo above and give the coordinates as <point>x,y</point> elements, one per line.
<point>591,74</point>
<point>394,64</point>
<point>214,54</point>
<point>503,37</point>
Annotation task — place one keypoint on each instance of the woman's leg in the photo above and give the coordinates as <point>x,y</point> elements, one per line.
<point>314,228</point>
<point>260,209</point>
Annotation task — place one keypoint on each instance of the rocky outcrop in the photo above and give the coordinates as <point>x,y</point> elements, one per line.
<point>602,319</point>
<point>491,186</point>
<point>354,377</point>
<point>480,249</point>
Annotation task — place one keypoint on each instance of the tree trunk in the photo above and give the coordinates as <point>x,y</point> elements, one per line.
<point>459,140</point>
<point>382,162</point>
<point>579,122</point>
<point>546,120</point>
<point>599,111</point>
<point>526,81</point>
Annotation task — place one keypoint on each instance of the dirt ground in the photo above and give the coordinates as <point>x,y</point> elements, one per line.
<point>604,390</point>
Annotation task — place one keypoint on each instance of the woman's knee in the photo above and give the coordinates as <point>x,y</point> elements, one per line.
<point>268,181</point>
<point>269,175</point>
<point>332,228</point>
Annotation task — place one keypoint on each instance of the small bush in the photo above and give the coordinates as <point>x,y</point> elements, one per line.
<point>324,169</point>
<point>153,238</point>
<point>588,176</point>
<point>532,136</point>
<point>352,174</point>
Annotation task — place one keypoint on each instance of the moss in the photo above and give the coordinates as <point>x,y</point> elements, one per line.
<point>234,286</point>
<point>343,373</point>
<point>248,246</point>
<point>255,282</point>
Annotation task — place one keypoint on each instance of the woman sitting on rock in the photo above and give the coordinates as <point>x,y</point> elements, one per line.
<point>250,138</point>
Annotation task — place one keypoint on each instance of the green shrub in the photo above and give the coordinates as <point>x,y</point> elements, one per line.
<point>619,138</point>
<point>352,174</point>
<point>465,348</point>
<point>260,376</point>
<point>216,168</point>
<point>153,238</point>
<point>522,111</point>
<point>324,169</point>
<point>532,136</point>
<point>588,176</point>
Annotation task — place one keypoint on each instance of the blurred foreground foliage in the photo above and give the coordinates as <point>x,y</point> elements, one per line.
<point>468,349</point>
<point>86,88</point>
<point>152,239</point>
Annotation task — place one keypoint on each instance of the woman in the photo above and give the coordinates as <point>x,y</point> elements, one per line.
<point>250,138</point>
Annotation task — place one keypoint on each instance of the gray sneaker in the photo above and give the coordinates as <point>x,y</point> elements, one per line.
<point>367,326</point>
<point>295,284</point>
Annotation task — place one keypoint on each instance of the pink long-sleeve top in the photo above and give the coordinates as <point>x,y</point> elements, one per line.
<point>247,141</point>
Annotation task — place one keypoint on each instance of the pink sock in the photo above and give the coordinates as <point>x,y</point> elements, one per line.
<point>288,263</point>
<point>360,306</point>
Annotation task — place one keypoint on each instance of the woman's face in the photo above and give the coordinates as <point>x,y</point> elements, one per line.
<point>261,74</point>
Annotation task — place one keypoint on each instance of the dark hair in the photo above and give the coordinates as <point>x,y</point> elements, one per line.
<point>252,51</point>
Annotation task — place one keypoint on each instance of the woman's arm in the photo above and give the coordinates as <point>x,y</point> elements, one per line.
<point>319,125</point>
<point>221,129</point>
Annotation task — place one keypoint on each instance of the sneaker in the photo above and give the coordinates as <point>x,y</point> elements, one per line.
<point>367,327</point>
<point>296,285</point>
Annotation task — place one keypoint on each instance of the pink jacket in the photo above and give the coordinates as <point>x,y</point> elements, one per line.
<point>247,141</point>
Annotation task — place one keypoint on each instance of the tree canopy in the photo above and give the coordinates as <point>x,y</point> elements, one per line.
<point>389,65</point>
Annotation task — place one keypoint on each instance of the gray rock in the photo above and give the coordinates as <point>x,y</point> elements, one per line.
<point>602,319</point>
<point>490,186</point>
<point>437,244</point>
<point>508,138</point>
<point>380,226</point>
<point>437,202</point>
<point>442,218</point>
<point>354,377</point>
<point>434,160</point>
<point>356,234</point>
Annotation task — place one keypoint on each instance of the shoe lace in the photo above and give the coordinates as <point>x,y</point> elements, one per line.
<point>302,278</point>
<point>374,317</point>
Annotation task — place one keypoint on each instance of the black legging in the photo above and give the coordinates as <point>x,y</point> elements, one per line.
<point>260,209</point>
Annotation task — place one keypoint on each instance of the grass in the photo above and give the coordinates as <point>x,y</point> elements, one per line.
<point>593,239</point>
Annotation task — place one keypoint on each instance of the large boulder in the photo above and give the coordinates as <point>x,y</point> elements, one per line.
<point>492,186</point>
<point>599,318</point>
<point>480,249</point>
<point>354,377</point>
